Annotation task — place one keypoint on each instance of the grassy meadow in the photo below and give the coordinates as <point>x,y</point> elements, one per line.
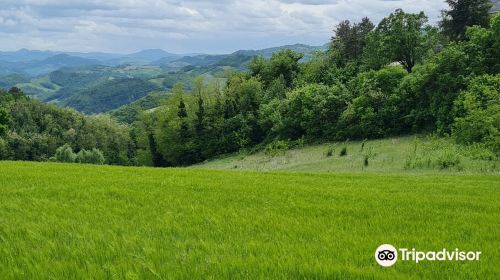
<point>412,154</point>
<point>61,221</point>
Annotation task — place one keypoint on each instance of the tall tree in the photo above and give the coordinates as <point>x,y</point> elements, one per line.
<point>350,40</point>
<point>402,38</point>
<point>156,157</point>
<point>464,13</point>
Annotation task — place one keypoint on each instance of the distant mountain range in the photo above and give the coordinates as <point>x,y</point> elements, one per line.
<point>35,63</point>
<point>100,82</point>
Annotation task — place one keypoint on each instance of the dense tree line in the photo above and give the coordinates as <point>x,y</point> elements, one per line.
<point>399,77</point>
<point>31,130</point>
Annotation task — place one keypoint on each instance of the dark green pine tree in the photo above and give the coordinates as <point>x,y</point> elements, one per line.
<point>155,155</point>
<point>200,118</point>
<point>184,127</point>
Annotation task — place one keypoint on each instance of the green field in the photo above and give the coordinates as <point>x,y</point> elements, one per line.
<point>87,222</point>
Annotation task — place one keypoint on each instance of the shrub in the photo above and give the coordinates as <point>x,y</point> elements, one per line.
<point>343,152</point>
<point>447,159</point>
<point>3,149</point>
<point>368,154</point>
<point>94,156</point>
<point>480,152</point>
<point>275,148</point>
<point>65,154</point>
<point>299,143</point>
<point>478,113</point>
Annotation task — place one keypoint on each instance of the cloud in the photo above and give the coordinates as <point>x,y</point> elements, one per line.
<point>184,25</point>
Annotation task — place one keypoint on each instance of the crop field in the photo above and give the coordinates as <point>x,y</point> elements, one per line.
<point>79,221</point>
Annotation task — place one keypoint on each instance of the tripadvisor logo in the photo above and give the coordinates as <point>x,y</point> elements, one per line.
<point>387,255</point>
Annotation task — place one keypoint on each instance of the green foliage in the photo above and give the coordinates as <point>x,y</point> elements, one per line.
<point>434,153</point>
<point>283,64</point>
<point>94,156</point>
<point>4,149</point>
<point>307,111</point>
<point>37,130</point>
<point>324,99</point>
<point>375,109</point>
<point>12,80</point>
<point>278,147</point>
<point>130,113</point>
<point>65,154</point>
<point>448,159</point>
<point>4,121</point>
<point>349,41</point>
<point>415,155</point>
<point>343,152</point>
<point>368,154</point>
<point>478,113</point>
<point>109,95</point>
<point>402,77</point>
<point>463,14</point>
<point>400,37</point>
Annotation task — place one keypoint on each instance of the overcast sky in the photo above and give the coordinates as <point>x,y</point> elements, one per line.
<point>217,26</point>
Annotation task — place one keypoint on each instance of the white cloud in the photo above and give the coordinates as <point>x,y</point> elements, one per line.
<point>184,26</point>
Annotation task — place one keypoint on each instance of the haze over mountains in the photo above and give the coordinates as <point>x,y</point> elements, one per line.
<point>99,82</point>
<point>35,62</point>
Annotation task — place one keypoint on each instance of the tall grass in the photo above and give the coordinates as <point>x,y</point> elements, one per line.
<point>395,155</point>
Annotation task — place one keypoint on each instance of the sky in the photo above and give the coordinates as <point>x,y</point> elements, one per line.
<point>185,26</point>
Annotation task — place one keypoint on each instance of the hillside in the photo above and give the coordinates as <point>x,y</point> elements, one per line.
<point>130,113</point>
<point>58,77</point>
<point>109,95</point>
<point>237,60</point>
<point>413,154</point>
<point>141,223</point>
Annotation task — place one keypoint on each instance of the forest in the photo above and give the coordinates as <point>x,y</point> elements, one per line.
<point>401,76</point>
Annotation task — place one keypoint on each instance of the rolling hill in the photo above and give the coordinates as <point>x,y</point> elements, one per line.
<point>109,95</point>
<point>129,113</point>
<point>83,80</point>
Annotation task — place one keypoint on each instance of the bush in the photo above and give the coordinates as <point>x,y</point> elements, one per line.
<point>65,154</point>
<point>4,151</point>
<point>478,113</point>
<point>275,148</point>
<point>447,159</point>
<point>368,154</point>
<point>94,156</point>
<point>343,152</point>
<point>311,111</point>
